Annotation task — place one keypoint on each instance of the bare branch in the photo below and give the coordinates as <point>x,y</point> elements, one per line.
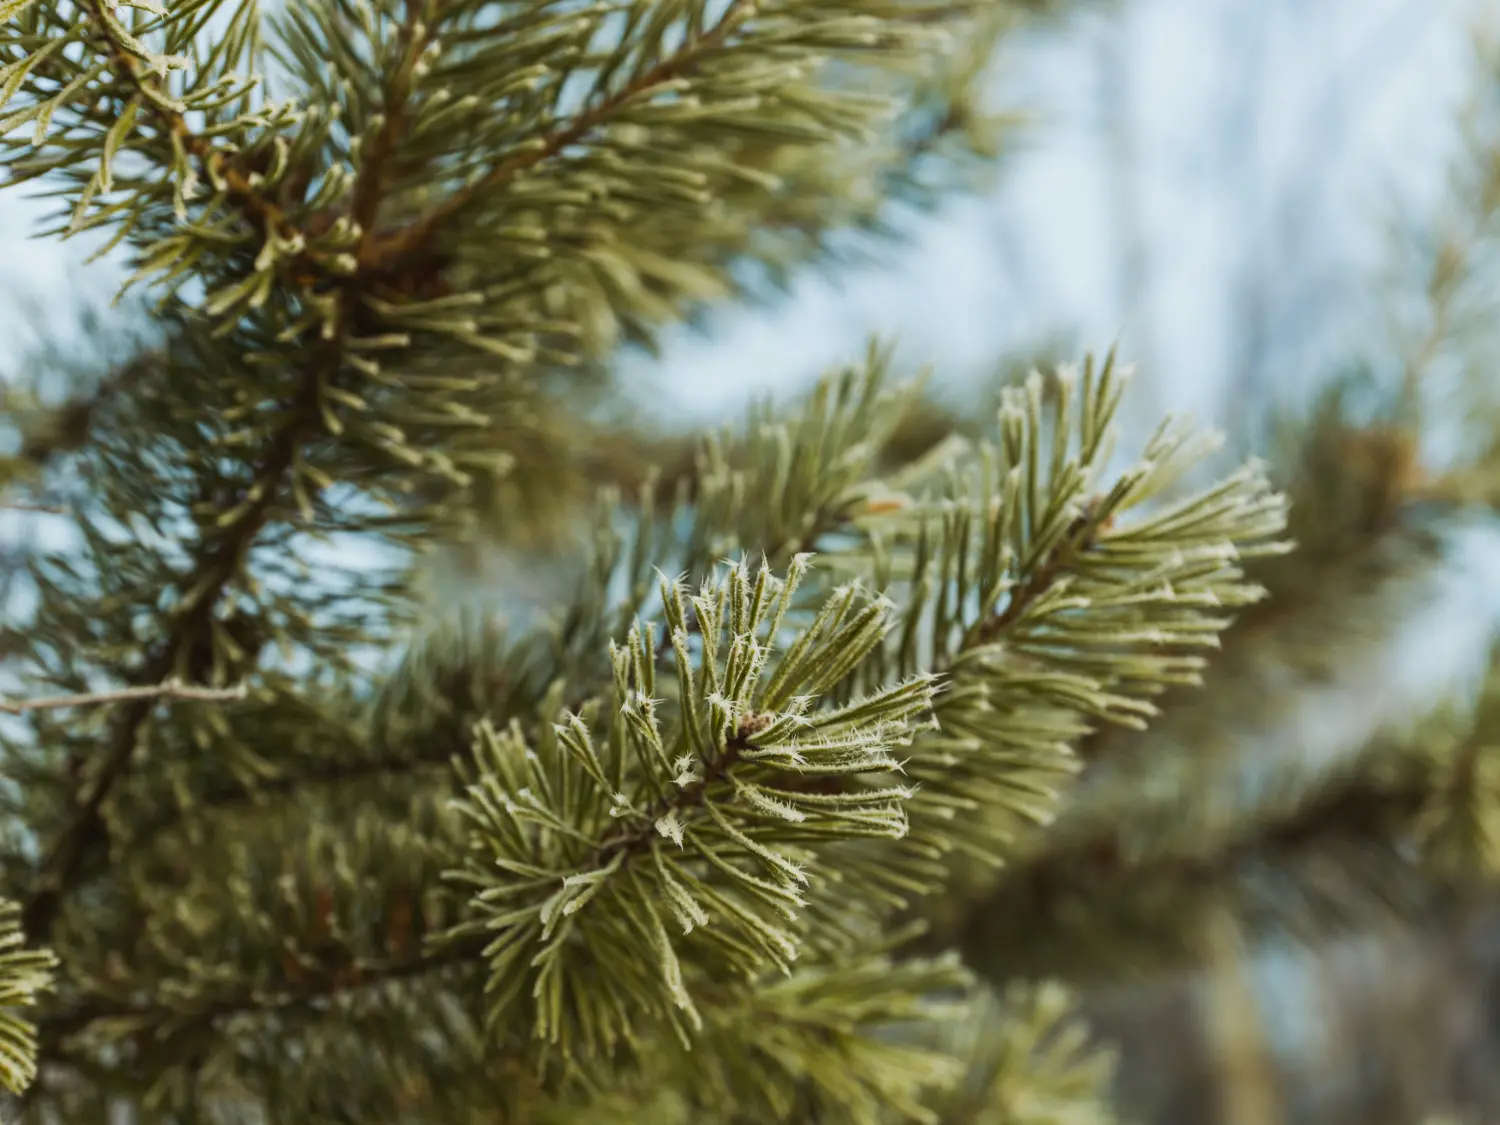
<point>169,689</point>
<point>28,506</point>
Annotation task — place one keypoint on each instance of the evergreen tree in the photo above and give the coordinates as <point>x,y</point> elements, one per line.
<point>304,835</point>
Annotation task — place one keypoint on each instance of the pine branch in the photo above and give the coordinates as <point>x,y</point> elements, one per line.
<point>215,570</point>
<point>1365,814</point>
<point>828,519</point>
<point>1076,542</point>
<point>259,210</point>
<point>817,529</point>
<point>572,813</point>
<point>390,255</point>
<point>398,250</point>
<point>218,565</point>
<point>23,974</point>
<point>67,427</point>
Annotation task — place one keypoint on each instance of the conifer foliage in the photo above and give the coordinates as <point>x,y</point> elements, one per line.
<point>305,850</point>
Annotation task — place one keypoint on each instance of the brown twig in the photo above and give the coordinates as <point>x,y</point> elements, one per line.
<point>170,689</point>
<point>28,506</point>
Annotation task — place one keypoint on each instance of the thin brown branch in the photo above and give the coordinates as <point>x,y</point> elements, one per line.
<point>28,506</point>
<point>170,689</point>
